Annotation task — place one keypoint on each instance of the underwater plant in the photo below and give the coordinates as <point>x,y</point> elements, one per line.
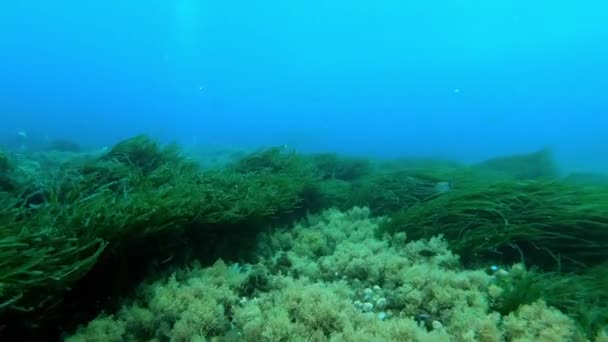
<point>535,165</point>
<point>388,192</point>
<point>39,260</point>
<point>6,167</point>
<point>287,181</point>
<point>95,211</point>
<point>332,166</point>
<point>551,224</point>
<point>5,164</point>
<point>582,296</point>
<point>144,153</point>
<point>587,178</point>
<point>397,185</point>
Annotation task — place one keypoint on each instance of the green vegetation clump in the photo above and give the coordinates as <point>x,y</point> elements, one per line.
<point>6,183</point>
<point>398,185</point>
<point>5,164</point>
<point>39,260</point>
<point>539,164</point>
<point>56,230</point>
<point>587,178</point>
<point>419,163</point>
<point>287,181</point>
<point>143,153</point>
<point>550,224</point>
<point>9,173</point>
<point>582,296</point>
<point>277,160</point>
<point>388,192</point>
<point>332,166</point>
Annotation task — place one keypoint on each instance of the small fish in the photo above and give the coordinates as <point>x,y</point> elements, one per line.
<point>22,134</point>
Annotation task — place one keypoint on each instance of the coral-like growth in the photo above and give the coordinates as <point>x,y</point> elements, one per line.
<point>583,297</point>
<point>524,324</point>
<point>330,279</point>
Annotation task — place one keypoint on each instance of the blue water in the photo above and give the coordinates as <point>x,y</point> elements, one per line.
<point>464,79</point>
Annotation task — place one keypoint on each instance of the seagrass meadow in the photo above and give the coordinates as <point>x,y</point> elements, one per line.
<point>148,242</point>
